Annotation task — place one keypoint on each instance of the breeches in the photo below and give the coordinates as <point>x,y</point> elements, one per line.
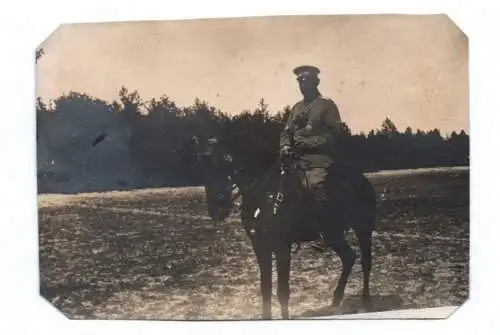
<point>315,181</point>
<point>316,177</point>
<point>317,184</point>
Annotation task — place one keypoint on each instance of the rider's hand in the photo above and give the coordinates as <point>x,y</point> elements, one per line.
<point>285,150</point>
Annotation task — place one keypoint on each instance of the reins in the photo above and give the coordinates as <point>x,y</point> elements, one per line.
<point>263,178</point>
<point>255,182</point>
<point>268,172</point>
<point>266,175</point>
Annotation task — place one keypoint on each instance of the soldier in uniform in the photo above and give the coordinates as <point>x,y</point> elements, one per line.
<point>314,121</point>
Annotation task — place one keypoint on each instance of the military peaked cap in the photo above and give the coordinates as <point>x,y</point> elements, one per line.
<point>305,70</point>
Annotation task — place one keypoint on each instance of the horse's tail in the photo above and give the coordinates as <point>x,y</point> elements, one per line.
<point>368,200</point>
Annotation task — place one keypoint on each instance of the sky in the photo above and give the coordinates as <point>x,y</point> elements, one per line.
<point>412,69</point>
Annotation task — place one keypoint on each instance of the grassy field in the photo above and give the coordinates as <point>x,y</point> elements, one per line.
<point>154,254</point>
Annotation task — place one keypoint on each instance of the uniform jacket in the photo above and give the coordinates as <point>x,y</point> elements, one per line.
<point>314,126</point>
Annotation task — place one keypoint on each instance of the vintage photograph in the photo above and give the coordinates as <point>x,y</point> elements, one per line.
<point>281,167</point>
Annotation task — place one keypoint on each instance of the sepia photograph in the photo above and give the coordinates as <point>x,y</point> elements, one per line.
<point>273,167</point>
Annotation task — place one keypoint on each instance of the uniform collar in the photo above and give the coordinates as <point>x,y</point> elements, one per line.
<point>313,100</point>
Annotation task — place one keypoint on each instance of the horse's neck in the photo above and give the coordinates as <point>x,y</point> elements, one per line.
<point>251,186</point>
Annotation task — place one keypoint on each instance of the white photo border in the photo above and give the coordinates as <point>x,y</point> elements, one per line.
<point>25,24</point>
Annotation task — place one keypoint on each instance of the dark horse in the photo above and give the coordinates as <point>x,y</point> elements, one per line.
<point>278,211</point>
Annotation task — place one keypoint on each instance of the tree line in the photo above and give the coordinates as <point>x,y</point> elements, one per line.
<point>161,132</point>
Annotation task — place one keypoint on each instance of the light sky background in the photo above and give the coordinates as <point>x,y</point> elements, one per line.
<point>412,69</point>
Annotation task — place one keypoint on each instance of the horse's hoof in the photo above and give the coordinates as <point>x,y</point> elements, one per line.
<point>367,304</point>
<point>337,299</point>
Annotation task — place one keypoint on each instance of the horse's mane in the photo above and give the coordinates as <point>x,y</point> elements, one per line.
<point>250,152</point>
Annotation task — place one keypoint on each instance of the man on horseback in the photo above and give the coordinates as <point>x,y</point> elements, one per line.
<point>313,122</point>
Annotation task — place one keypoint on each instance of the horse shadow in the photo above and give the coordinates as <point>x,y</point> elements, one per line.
<point>352,304</point>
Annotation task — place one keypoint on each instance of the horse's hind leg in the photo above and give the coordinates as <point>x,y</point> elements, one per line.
<point>348,256</point>
<point>365,243</point>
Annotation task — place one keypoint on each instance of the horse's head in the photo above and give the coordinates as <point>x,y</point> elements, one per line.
<point>217,172</point>
<point>252,165</point>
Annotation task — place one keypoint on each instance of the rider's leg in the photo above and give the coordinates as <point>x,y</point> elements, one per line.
<point>317,177</point>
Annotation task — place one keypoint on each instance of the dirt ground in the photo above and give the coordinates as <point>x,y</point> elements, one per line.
<point>154,254</point>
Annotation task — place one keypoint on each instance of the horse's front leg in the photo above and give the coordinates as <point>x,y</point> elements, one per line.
<point>264,258</point>
<point>283,259</point>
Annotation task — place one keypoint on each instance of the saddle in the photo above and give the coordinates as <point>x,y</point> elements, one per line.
<point>307,222</point>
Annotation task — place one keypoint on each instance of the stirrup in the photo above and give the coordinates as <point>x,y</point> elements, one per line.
<point>297,247</point>
<point>319,244</point>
